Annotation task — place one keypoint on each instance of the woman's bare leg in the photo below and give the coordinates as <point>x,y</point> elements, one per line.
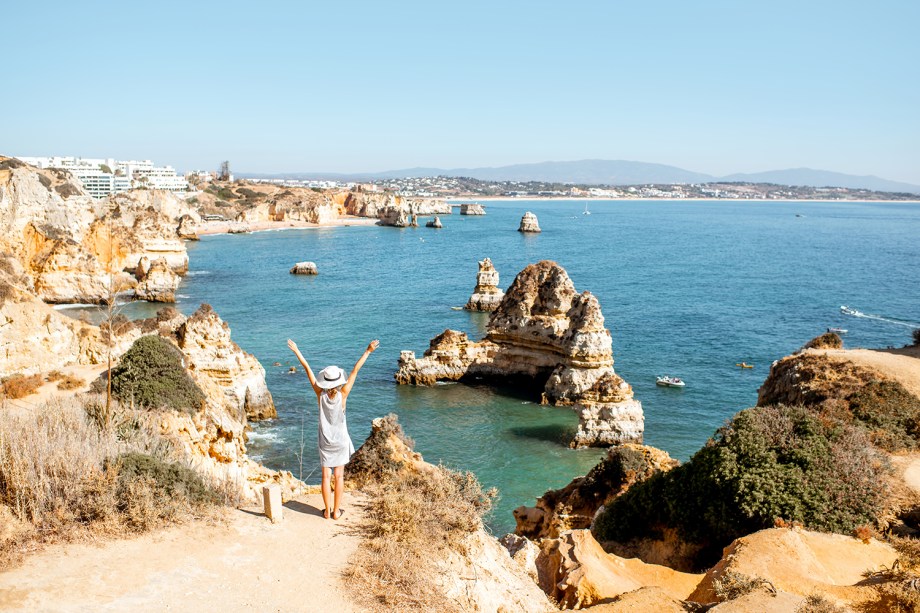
<point>339,488</point>
<point>327,473</point>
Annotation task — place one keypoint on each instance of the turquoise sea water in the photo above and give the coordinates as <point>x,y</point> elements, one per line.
<point>687,289</point>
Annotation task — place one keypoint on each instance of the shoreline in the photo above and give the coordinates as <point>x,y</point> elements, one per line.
<point>208,228</point>
<point>458,201</point>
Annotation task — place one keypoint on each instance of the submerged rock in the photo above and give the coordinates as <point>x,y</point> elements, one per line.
<point>434,223</point>
<point>546,336</point>
<point>487,295</point>
<point>472,209</point>
<point>529,223</point>
<point>304,268</point>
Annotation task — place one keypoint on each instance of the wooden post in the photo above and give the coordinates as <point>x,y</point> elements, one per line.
<point>271,500</point>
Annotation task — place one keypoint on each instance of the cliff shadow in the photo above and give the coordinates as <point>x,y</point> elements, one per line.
<point>518,387</point>
<point>551,433</point>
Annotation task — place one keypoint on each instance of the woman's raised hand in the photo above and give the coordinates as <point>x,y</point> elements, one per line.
<point>373,346</point>
<point>293,346</point>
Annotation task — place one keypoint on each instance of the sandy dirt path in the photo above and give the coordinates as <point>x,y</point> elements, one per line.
<point>245,564</point>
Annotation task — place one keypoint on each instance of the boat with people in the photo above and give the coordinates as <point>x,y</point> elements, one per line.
<point>837,330</point>
<point>667,381</point>
<point>744,365</point>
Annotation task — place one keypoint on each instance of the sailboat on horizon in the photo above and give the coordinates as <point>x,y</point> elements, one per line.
<point>586,211</point>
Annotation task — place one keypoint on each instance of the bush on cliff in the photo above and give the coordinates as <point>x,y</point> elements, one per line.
<point>151,375</point>
<point>768,463</point>
<point>916,336</point>
<point>828,340</point>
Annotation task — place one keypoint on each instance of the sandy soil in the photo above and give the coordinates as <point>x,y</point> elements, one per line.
<point>223,227</point>
<point>902,365</point>
<point>244,564</point>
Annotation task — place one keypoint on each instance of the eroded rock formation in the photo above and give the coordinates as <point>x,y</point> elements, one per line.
<point>204,338</point>
<point>434,223</point>
<point>529,223</point>
<point>546,336</point>
<point>472,209</point>
<point>304,268</point>
<point>486,295</point>
<point>156,282</point>
<point>575,506</point>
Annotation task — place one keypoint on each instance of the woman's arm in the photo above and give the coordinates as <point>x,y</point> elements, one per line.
<point>354,371</point>
<point>306,367</point>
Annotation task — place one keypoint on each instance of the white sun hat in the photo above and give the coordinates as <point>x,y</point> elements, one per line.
<point>331,376</point>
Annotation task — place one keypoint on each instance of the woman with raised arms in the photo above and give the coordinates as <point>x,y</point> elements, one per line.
<point>335,446</point>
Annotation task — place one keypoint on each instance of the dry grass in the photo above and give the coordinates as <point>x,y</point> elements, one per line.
<point>68,382</point>
<point>62,477</point>
<point>817,603</point>
<point>733,585</point>
<point>412,521</point>
<point>20,386</point>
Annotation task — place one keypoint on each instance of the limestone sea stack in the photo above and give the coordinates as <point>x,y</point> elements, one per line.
<point>549,338</point>
<point>472,209</point>
<point>487,295</point>
<point>157,282</point>
<point>434,223</point>
<point>529,223</point>
<point>304,268</point>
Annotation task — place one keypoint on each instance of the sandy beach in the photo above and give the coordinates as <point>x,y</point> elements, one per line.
<point>224,227</point>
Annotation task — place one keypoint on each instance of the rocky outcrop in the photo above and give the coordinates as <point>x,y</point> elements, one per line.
<point>476,574</point>
<point>811,378</point>
<point>204,338</point>
<point>802,562</point>
<point>304,268</point>
<point>375,204</point>
<point>575,506</point>
<point>546,337</point>
<point>188,227</point>
<point>486,295</point>
<point>434,223</point>
<point>472,209</point>
<point>576,573</point>
<point>156,282</point>
<point>396,216</point>
<point>529,223</point>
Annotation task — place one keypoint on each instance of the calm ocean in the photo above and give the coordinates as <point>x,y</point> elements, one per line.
<point>687,288</point>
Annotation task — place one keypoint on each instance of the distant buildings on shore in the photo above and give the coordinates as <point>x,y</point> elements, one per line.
<point>102,177</point>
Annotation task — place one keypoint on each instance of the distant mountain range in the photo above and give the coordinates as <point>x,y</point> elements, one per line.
<point>615,172</point>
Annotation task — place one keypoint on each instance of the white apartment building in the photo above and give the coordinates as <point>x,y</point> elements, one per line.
<point>122,175</point>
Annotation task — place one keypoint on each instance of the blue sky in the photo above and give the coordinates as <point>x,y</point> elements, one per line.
<point>716,87</point>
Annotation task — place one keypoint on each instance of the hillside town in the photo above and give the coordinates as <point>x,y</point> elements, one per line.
<point>102,177</point>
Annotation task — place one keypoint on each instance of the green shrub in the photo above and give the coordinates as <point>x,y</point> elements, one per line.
<point>767,463</point>
<point>889,413</point>
<point>169,479</point>
<point>150,374</point>
<point>828,340</point>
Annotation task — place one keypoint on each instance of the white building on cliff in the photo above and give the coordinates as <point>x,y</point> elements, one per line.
<point>105,176</point>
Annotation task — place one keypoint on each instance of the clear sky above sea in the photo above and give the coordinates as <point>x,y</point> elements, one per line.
<point>717,87</point>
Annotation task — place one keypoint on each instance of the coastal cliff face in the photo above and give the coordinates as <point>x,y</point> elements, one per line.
<point>545,335</point>
<point>486,295</point>
<point>77,250</point>
<point>204,339</point>
<point>387,206</point>
<point>156,282</point>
